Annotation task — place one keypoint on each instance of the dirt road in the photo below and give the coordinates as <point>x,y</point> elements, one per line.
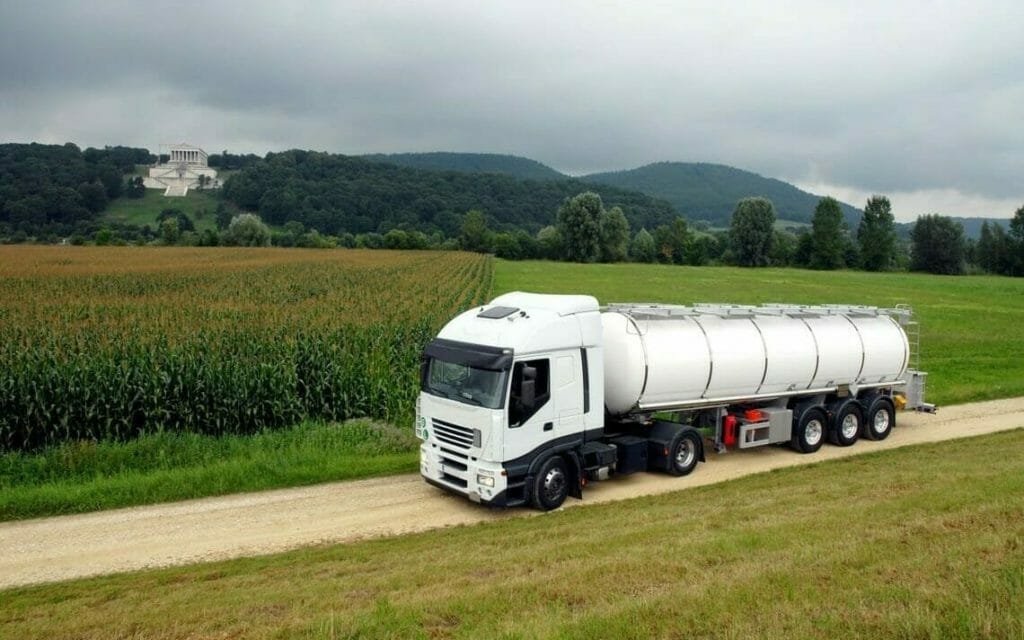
<point>61,548</point>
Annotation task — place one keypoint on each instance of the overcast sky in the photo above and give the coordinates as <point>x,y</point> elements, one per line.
<point>921,101</point>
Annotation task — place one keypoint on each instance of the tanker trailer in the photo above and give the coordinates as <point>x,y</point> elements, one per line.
<point>527,399</point>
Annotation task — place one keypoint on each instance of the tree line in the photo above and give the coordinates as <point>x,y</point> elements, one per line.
<point>51,188</point>
<point>587,232</point>
<point>339,194</point>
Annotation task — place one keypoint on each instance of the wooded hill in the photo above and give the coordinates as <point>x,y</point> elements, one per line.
<point>697,190</point>
<point>515,166</point>
<point>336,193</point>
<point>701,191</point>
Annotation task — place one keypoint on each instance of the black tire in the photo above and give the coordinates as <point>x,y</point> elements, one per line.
<point>880,418</point>
<point>551,484</point>
<point>683,455</point>
<point>847,423</point>
<point>809,429</point>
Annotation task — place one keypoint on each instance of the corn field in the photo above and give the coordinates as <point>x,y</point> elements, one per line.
<point>108,343</point>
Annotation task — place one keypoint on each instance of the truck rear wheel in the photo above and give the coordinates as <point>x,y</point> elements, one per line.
<point>847,422</point>
<point>880,418</point>
<point>809,430</point>
<point>684,454</point>
<point>551,484</point>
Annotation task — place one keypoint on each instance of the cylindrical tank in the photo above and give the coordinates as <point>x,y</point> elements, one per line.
<point>676,360</point>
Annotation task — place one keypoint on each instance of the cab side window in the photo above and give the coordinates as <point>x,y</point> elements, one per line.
<point>521,405</point>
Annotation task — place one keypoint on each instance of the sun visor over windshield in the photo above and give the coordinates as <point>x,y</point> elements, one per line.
<point>473,355</point>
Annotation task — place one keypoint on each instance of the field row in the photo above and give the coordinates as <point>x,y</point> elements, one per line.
<point>110,343</point>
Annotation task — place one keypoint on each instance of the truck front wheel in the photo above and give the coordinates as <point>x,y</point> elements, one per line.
<point>551,484</point>
<point>684,454</point>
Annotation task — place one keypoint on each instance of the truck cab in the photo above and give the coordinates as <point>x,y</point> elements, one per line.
<point>510,392</point>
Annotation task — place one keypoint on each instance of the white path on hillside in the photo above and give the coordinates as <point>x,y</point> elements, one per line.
<point>61,548</point>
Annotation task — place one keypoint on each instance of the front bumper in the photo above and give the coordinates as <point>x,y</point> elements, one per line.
<point>460,474</point>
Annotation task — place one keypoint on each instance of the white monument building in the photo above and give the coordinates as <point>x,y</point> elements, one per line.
<point>185,169</point>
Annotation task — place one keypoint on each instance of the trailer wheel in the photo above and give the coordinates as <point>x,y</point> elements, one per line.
<point>551,484</point>
<point>847,422</point>
<point>880,418</point>
<point>809,430</point>
<point>684,454</point>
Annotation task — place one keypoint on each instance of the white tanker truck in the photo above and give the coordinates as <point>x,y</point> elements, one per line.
<point>527,399</point>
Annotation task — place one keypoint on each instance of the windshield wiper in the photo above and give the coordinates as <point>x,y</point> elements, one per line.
<point>467,396</point>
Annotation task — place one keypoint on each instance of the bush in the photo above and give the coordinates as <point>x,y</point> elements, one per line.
<point>246,230</point>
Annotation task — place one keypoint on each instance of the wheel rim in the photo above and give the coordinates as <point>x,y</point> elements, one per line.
<point>813,431</point>
<point>881,421</point>
<point>685,454</point>
<point>850,426</point>
<point>554,484</point>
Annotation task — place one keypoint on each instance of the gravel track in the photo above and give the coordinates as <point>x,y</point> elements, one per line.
<point>66,547</point>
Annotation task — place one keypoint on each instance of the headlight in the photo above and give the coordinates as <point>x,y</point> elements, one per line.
<point>486,481</point>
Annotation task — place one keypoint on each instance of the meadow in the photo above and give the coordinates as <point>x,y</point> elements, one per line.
<point>912,542</point>
<point>200,206</point>
<point>972,342</point>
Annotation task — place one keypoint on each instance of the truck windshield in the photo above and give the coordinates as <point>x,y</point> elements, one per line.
<point>465,383</point>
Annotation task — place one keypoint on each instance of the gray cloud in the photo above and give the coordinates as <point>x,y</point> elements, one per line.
<point>895,97</point>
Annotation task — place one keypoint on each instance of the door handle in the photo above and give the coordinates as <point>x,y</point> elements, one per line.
<point>548,426</point>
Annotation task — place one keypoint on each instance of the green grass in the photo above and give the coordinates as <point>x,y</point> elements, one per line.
<point>923,541</point>
<point>87,476</point>
<point>143,211</point>
<point>972,341</point>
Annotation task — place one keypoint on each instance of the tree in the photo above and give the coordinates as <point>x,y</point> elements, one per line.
<point>752,232</point>
<point>987,250</point>
<point>579,222</point>
<point>104,237</point>
<point>783,249</point>
<point>614,235</point>
<point>549,243</point>
<point>222,216</point>
<point>827,235</point>
<point>94,196</point>
<point>642,249</point>
<point>134,187</point>
<point>876,235</point>
<point>672,241</point>
<point>246,230</point>
<point>1015,248</point>
<point>938,245</point>
<point>474,234</point>
<point>184,222</point>
<point>169,230</point>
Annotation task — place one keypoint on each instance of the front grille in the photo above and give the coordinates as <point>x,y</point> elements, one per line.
<point>459,482</point>
<point>454,464</point>
<point>456,436</point>
<point>449,452</point>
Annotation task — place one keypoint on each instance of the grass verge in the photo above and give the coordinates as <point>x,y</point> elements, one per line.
<point>971,343</point>
<point>88,476</point>
<point>199,206</point>
<point>924,541</point>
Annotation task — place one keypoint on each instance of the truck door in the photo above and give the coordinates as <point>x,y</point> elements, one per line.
<point>567,382</point>
<point>531,425</point>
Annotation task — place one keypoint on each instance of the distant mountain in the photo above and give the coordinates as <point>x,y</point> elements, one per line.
<point>701,191</point>
<point>514,166</point>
